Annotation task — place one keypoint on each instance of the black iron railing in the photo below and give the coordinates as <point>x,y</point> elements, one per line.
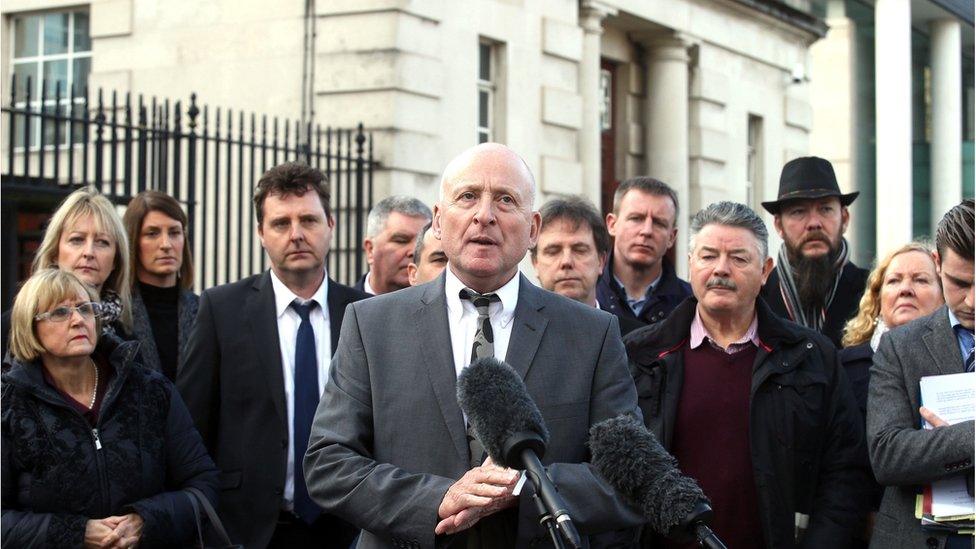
<point>207,158</point>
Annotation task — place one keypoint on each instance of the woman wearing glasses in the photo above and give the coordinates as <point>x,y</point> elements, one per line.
<point>95,448</point>
<point>163,305</point>
<point>86,236</point>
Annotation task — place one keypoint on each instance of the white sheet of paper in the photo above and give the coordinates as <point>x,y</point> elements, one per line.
<point>953,398</point>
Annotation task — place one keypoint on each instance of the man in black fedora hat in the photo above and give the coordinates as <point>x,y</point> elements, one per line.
<point>814,283</point>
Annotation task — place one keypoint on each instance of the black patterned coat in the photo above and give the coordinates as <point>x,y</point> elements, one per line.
<point>186,307</point>
<point>58,471</point>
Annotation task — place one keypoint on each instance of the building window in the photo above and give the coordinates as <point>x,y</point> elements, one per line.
<point>606,93</point>
<point>487,83</point>
<point>53,51</point>
<point>754,171</point>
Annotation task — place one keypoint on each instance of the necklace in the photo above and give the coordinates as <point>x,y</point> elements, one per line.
<point>94,389</point>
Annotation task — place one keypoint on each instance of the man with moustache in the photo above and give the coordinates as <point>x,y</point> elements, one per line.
<point>757,409</point>
<point>391,232</point>
<point>814,283</point>
<point>639,281</point>
<point>572,251</point>
<point>257,361</point>
<point>904,456</point>
<point>390,451</point>
<point>428,258</point>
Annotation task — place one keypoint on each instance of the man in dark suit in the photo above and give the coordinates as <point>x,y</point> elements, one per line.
<point>814,283</point>
<point>572,251</point>
<point>905,457</point>
<point>257,361</point>
<point>389,449</point>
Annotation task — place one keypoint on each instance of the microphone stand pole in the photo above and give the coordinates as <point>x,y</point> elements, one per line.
<point>546,520</point>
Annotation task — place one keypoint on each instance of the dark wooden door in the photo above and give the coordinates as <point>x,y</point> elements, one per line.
<point>608,110</point>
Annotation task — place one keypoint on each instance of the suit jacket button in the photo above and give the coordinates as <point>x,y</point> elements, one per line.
<point>284,443</point>
<point>932,542</point>
<point>279,491</point>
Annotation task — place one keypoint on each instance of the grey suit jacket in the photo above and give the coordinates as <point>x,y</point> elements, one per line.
<point>389,438</point>
<point>187,307</point>
<point>904,456</point>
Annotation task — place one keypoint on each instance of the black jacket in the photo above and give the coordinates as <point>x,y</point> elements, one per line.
<point>666,296</point>
<point>853,279</point>
<point>857,364</point>
<point>232,380</point>
<point>806,437</point>
<point>55,477</point>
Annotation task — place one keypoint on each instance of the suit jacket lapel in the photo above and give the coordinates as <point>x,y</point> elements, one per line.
<point>338,299</point>
<point>259,309</point>
<point>529,325</point>
<point>941,343</point>
<point>434,332</point>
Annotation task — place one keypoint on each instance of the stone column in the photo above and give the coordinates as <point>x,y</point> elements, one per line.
<point>893,113</point>
<point>946,152</point>
<point>666,128</point>
<point>591,16</point>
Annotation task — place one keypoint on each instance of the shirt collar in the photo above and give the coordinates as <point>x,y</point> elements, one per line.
<point>699,332</point>
<point>502,312</point>
<point>367,287</point>
<point>953,321</point>
<point>647,291</point>
<point>284,296</point>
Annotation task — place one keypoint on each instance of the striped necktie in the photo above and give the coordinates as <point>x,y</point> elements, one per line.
<point>483,346</point>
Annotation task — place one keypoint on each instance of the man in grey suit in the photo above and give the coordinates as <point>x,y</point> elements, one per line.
<point>389,450</point>
<point>904,456</point>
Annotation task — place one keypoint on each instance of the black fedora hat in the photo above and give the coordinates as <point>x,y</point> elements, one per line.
<point>807,177</point>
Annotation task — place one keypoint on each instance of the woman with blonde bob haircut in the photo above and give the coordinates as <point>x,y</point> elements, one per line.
<point>902,287</point>
<point>85,236</point>
<point>105,446</point>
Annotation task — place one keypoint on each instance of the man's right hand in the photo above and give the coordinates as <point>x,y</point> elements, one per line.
<point>482,491</point>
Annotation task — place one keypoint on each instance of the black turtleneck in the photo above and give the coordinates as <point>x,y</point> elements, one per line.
<point>162,306</point>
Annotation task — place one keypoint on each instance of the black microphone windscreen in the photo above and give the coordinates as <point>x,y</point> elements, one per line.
<point>632,460</point>
<point>498,406</point>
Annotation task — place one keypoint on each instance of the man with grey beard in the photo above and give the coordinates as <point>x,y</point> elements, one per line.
<point>814,283</point>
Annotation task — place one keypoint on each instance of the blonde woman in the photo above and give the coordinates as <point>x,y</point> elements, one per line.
<point>96,449</point>
<point>85,236</point>
<point>902,287</point>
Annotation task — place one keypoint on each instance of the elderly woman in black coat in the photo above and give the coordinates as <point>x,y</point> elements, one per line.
<point>96,449</point>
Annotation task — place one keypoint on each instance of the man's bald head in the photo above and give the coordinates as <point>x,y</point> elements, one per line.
<point>484,218</point>
<point>485,154</point>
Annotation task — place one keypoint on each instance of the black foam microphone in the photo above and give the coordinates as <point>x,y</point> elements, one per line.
<point>510,427</point>
<point>632,460</point>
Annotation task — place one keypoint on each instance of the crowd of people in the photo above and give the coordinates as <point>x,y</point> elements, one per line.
<point>312,414</point>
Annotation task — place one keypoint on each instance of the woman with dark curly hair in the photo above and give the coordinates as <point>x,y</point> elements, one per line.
<point>96,449</point>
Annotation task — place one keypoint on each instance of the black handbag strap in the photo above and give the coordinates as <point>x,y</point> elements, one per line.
<point>198,500</point>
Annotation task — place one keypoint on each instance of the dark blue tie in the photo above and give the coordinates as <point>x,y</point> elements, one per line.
<point>306,400</point>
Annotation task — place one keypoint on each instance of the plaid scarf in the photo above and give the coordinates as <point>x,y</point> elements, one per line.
<point>791,298</point>
<point>111,310</point>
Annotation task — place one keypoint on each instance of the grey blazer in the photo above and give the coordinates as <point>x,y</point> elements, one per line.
<point>904,456</point>
<point>187,306</point>
<point>389,438</point>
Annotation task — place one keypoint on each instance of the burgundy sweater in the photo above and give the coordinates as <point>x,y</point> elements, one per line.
<point>711,440</point>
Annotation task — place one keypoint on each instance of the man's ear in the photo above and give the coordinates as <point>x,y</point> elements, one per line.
<point>767,269</point>
<point>778,225</point>
<point>845,219</point>
<point>938,261</point>
<point>611,224</point>
<point>368,248</point>
<point>412,273</point>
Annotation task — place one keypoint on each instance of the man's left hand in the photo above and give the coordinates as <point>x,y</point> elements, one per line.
<point>933,420</point>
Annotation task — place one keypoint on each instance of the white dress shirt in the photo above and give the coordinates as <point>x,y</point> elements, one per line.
<point>288,323</point>
<point>463,319</point>
<point>367,287</point>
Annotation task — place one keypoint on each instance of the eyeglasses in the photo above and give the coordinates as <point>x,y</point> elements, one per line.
<point>61,314</point>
